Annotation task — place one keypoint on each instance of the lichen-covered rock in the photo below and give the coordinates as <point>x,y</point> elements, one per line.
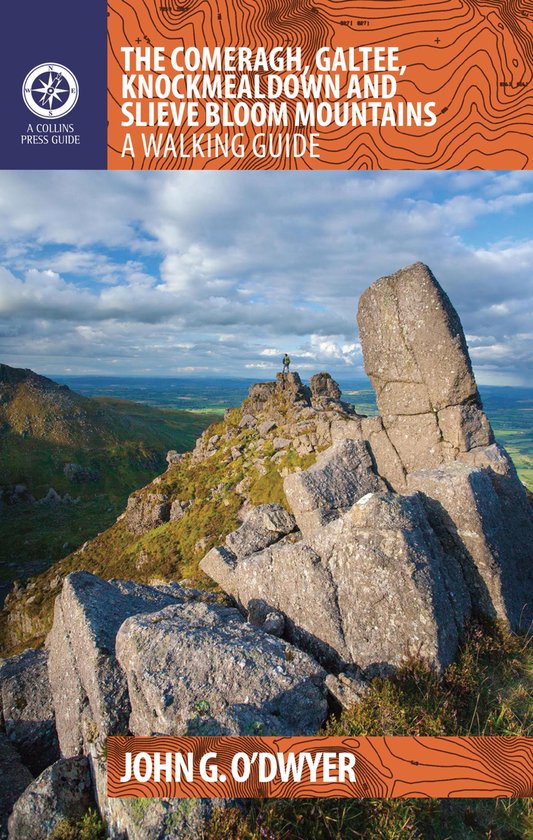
<point>201,669</point>
<point>259,396</point>
<point>280,443</point>
<point>292,388</point>
<point>414,347</point>
<point>416,438</point>
<point>385,457</point>
<point>62,791</point>
<point>370,588</point>
<point>348,689</point>
<point>324,390</point>
<point>416,356</point>
<point>465,510</point>
<point>262,526</point>
<point>173,457</point>
<point>247,422</point>
<point>265,427</point>
<point>89,690</point>
<point>341,475</point>
<point>346,429</point>
<point>177,510</point>
<point>14,779</point>
<point>464,427</point>
<point>151,819</point>
<point>146,511</point>
<point>263,616</point>
<point>26,708</point>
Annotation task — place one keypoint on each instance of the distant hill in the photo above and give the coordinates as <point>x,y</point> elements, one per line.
<point>33,406</point>
<point>93,450</point>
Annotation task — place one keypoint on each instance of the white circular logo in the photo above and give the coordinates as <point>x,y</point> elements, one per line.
<point>50,91</point>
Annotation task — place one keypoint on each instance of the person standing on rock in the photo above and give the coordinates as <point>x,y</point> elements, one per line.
<point>286,363</point>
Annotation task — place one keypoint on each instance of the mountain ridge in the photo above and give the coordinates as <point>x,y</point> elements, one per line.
<point>77,456</point>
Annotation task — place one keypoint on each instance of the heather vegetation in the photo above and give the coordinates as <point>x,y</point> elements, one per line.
<point>487,691</point>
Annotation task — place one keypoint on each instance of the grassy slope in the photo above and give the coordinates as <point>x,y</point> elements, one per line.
<point>174,549</point>
<point>129,453</point>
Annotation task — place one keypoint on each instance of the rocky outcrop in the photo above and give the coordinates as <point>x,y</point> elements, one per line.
<point>465,511</point>
<point>14,495</point>
<point>341,475</point>
<point>371,588</point>
<point>62,792</point>
<point>416,356</point>
<point>146,512</point>
<point>152,819</point>
<point>301,415</point>
<point>414,347</point>
<point>324,390</point>
<point>80,474</point>
<point>89,689</point>
<point>128,658</point>
<point>14,779</point>
<point>91,696</point>
<point>26,709</point>
<point>53,498</point>
<point>392,531</point>
<point>262,526</point>
<point>173,457</point>
<point>221,676</point>
<point>377,576</point>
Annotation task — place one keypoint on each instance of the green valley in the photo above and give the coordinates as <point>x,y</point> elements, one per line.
<point>93,452</point>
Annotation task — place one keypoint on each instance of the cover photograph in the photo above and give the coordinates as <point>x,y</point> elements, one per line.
<point>266,433</point>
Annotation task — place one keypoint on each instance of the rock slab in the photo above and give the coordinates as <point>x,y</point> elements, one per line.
<point>26,708</point>
<point>14,779</point>
<point>199,669</point>
<point>370,588</point>
<point>62,791</point>
<point>89,690</point>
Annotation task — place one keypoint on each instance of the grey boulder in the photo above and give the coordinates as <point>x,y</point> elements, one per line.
<point>14,779</point>
<point>62,791</point>
<point>262,526</point>
<point>89,690</point>
<point>413,343</point>
<point>341,475</point>
<point>199,669</point>
<point>147,511</point>
<point>27,710</point>
<point>466,512</point>
<point>370,588</point>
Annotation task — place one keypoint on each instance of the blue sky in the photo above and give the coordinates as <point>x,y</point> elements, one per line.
<point>219,273</point>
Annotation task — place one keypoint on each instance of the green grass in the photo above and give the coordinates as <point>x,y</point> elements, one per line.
<point>32,537</point>
<point>173,550</point>
<point>88,827</point>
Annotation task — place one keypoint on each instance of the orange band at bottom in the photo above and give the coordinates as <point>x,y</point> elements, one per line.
<point>372,767</point>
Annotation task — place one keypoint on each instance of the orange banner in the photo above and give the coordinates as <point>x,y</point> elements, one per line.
<point>463,100</point>
<point>373,767</point>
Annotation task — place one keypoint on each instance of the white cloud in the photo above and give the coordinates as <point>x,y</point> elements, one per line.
<point>219,270</point>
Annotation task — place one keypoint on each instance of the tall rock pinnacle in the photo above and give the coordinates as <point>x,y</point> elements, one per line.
<point>375,571</point>
<point>416,357</point>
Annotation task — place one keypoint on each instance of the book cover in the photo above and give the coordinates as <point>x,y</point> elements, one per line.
<point>266,470</point>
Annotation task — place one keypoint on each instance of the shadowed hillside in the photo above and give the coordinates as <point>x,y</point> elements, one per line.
<point>92,452</point>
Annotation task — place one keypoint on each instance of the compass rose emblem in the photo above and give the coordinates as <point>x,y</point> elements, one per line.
<point>50,90</point>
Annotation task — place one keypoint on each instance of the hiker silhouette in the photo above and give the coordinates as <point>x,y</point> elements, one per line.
<point>286,363</point>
